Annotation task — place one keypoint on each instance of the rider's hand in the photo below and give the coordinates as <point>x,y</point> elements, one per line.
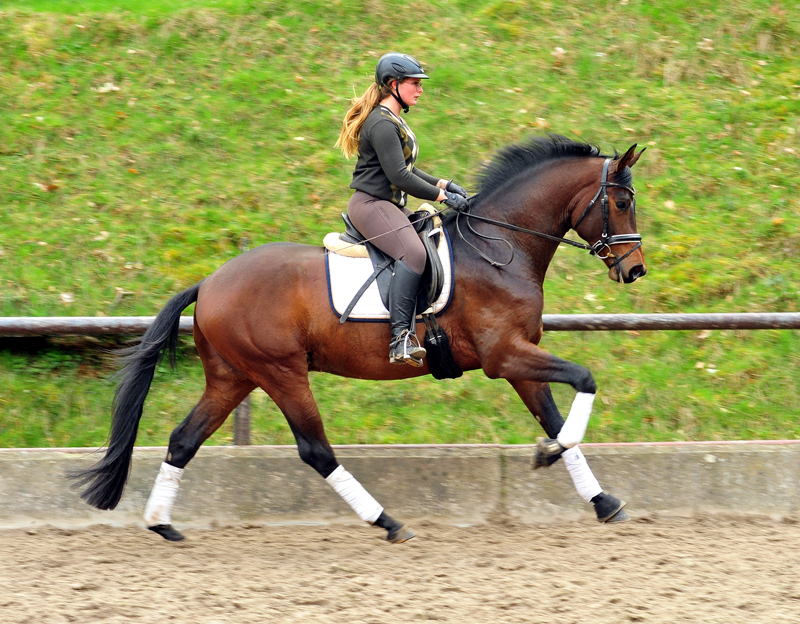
<point>453,200</point>
<point>455,188</point>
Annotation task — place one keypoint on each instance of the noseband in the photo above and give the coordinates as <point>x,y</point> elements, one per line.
<point>604,243</point>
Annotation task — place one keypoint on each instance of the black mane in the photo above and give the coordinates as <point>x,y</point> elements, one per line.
<point>513,160</point>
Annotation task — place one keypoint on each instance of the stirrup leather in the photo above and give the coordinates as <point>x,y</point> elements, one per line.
<point>412,352</point>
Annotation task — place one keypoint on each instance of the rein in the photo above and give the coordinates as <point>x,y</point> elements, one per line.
<point>605,241</point>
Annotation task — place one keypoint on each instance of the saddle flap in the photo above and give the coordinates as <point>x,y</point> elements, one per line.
<point>430,231</point>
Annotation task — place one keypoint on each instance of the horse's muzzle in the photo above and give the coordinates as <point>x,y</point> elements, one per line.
<point>635,273</point>
<point>615,272</point>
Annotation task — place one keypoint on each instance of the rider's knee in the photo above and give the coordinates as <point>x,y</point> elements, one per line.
<point>415,256</point>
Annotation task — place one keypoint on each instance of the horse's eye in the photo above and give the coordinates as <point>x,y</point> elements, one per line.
<point>622,206</point>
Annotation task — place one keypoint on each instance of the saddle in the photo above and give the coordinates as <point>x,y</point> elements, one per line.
<point>352,243</point>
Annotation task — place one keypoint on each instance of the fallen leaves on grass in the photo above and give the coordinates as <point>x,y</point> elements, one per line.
<point>106,88</point>
<point>120,293</point>
<point>707,45</point>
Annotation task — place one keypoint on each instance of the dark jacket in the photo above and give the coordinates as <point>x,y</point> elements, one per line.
<point>387,149</point>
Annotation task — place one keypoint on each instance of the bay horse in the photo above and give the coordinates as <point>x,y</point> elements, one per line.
<point>263,319</point>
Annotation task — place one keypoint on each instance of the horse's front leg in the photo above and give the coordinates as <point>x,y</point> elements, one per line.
<point>519,360</point>
<point>539,400</point>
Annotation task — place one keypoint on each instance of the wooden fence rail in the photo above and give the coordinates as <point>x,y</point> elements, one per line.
<point>20,326</point>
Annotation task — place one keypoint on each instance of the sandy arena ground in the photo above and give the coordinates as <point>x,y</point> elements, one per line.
<point>648,570</point>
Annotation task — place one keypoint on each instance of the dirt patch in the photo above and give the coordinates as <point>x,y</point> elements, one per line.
<point>650,570</point>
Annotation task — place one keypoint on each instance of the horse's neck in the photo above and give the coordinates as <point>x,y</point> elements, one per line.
<point>531,254</point>
<point>542,204</point>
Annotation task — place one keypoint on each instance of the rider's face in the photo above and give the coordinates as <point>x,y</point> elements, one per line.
<point>410,90</point>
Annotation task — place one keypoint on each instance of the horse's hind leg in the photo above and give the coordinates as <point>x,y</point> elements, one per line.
<point>292,394</point>
<point>539,400</point>
<point>225,389</point>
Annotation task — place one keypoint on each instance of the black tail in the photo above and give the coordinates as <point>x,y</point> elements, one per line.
<point>107,477</point>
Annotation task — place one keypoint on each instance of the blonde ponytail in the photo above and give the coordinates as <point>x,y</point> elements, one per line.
<point>360,108</point>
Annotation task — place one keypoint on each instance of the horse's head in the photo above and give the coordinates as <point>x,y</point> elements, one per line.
<point>610,220</point>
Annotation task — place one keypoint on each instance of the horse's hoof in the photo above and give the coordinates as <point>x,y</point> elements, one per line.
<point>620,516</point>
<point>167,532</point>
<point>547,452</point>
<point>609,508</point>
<point>400,534</point>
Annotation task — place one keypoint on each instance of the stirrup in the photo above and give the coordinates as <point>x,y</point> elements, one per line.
<point>412,353</point>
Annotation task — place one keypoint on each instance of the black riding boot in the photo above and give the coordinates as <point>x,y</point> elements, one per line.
<point>404,347</point>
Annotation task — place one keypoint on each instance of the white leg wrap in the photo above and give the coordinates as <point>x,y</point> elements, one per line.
<point>354,494</point>
<point>159,505</point>
<point>573,430</point>
<point>581,474</point>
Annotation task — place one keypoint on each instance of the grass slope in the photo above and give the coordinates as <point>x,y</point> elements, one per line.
<point>141,147</point>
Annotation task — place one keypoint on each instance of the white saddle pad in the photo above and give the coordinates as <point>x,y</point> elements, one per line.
<point>347,275</point>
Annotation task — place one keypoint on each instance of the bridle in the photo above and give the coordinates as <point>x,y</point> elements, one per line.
<point>599,247</point>
<point>606,241</point>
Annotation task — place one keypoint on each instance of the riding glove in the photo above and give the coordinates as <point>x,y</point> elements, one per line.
<point>453,200</point>
<point>455,188</point>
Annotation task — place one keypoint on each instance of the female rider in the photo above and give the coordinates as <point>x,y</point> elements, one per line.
<point>384,176</point>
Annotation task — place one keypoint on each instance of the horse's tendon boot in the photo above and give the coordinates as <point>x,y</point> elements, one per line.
<point>609,509</point>
<point>547,452</point>
<point>167,532</point>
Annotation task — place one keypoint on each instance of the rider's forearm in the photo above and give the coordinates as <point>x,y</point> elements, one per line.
<point>426,176</point>
<point>439,183</point>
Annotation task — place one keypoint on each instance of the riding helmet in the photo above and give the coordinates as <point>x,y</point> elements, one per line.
<point>396,66</point>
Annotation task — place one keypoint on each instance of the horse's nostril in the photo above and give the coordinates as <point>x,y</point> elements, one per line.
<point>637,272</point>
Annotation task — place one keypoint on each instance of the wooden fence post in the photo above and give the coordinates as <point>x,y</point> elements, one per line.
<point>241,415</point>
<point>241,423</point>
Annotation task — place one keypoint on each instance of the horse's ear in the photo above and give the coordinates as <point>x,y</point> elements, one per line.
<point>629,158</point>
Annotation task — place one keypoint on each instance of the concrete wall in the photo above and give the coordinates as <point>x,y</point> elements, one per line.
<point>467,484</point>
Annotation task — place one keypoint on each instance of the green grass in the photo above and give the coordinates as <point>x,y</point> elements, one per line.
<point>155,185</point>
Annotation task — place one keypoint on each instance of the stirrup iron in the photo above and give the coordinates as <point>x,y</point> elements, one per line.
<point>412,353</point>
